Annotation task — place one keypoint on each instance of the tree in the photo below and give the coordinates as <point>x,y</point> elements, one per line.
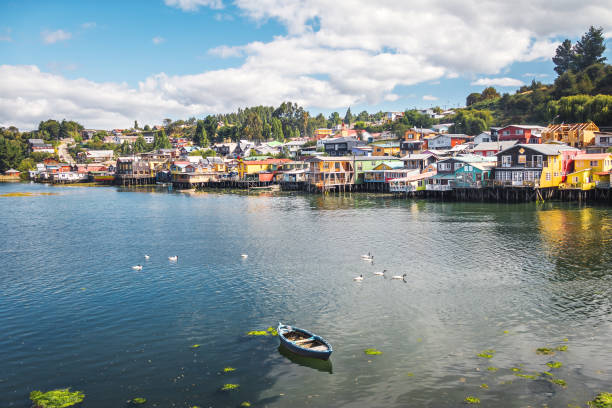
<point>563,58</point>
<point>334,119</point>
<point>589,49</point>
<point>140,145</point>
<point>210,126</point>
<point>147,128</point>
<point>489,93</point>
<point>348,118</point>
<point>167,122</point>
<point>200,138</point>
<point>277,130</point>
<point>161,141</point>
<point>125,148</point>
<point>473,98</point>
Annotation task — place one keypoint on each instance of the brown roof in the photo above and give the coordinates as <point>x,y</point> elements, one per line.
<point>570,127</point>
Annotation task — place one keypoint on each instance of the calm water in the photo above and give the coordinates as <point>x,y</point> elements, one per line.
<point>510,278</point>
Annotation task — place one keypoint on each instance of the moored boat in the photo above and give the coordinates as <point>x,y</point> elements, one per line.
<point>303,342</point>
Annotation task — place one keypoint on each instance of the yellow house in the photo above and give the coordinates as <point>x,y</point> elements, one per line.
<point>386,149</point>
<point>331,171</point>
<point>574,134</point>
<point>247,167</point>
<point>590,170</point>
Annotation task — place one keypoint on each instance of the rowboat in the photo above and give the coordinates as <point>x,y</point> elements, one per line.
<point>303,342</point>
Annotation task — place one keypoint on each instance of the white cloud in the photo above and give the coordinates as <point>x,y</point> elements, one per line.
<point>89,24</point>
<point>498,82</point>
<point>158,40</point>
<point>534,75</point>
<point>6,38</point>
<point>224,17</point>
<point>430,98</point>
<point>193,5</point>
<point>391,97</point>
<point>333,54</point>
<point>51,37</point>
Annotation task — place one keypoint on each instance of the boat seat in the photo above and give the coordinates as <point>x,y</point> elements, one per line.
<point>319,348</point>
<point>304,340</point>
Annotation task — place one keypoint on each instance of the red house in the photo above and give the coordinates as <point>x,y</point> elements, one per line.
<point>524,134</point>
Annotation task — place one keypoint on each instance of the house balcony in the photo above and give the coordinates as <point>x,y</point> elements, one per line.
<point>439,187</point>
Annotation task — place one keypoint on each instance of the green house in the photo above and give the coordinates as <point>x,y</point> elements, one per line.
<point>368,163</point>
<point>472,175</point>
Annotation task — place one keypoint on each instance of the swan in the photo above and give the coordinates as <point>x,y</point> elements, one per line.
<point>367,256</point>
<point>403,277</point>
<point>173,258</point>
<point>245,256</point>
<point>380,273</point>
<point>137,267</point>
<point>358,278</point>
<point>147,256</point>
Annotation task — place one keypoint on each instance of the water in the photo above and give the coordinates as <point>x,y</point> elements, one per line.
<point>510,278</point>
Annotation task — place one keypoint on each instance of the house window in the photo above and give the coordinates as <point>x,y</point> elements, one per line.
<point>519,132</point>
<point>593,163</point>
<point>506,132</point>
<point>537,160</point>
<point>547,176</point>
<point>575,179</point>
<point>522,159</point>
<point>556,174</point>
<point>506,161</point>
<point>458,166</point>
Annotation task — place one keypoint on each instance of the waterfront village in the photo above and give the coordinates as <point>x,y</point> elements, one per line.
<point>516,162</point>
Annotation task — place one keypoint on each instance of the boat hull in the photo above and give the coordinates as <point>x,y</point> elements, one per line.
<point>303,351</point>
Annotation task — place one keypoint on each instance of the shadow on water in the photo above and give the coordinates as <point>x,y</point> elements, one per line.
<point>314,363</point>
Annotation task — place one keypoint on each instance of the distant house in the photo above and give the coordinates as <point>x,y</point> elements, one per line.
<point>390,148</point>
<point>97,156</point>
<point>603,142</point>
<point>293,147</point>
<point>447,140</point>
<point>322,133</point>
<point>590,171</point>
<point>39,146</point>
<point>482,138</point>
<point>577,134</point>
<point>418,161</point>
<point>339,146</point>
<point>523,134</point>
<point>492,148</point>
<point>442,127</point>
<point>88,134</point>
<point>362,151</point>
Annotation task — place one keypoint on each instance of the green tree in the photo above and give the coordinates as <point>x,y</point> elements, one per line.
<point>200,138</point>
<point>333,120</point>
<point>161,141</point>
<point>589,49</point>
<point>490,93</point>
<point>277,130</point>
<point>563,58</point>
<point>125,148</point>
<point>473,98</point>
<point>51,128</point>
<point>348,117</point>
<point>147,128</point>
<point>140,145</point>
<point>210,126</point>
<point>135,124</point>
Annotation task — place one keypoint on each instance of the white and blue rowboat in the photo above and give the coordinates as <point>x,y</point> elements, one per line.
<point>303,342</point>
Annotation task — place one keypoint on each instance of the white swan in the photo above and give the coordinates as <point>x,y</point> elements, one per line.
<point>147,256</point>
<point>245,256</point>
<point>173,258</point>
<point>367,256</point>
<point>403,277</point>
<point>137,267</point>
<point>358,278</point>
<point>380,273</point>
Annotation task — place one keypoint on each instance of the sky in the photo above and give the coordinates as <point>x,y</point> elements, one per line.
<point>106,64</point>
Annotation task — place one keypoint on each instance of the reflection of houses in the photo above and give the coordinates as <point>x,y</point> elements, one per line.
<point>543,165</point>
<point>577,134</point>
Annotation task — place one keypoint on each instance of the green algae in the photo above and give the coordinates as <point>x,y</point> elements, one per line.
<point>137,401</point>
<point>486,354</point>
<point>229,387</point>
<point>602,400</point>
<point>558,381</point>
<point>26,194</point>
<point>257,333</point>
<point>410,374</point>
<point>195,346</point>
<point>554,364</point>
<point>472,400</point>
<point>527,376</point>
<point>60,398</point>
<point>547,373</point>
<point>545,351</point>
<point>506,332</point>
<point>561,348</point>
<point>492,369</point>
<point>516,370</point>
<point>372,351</point>
<point>485,386</point>
<point>272,331</point>
<point>228,369</point>
<point>245,404</point>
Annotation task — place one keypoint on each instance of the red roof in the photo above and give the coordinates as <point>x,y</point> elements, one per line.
<point>592,156</point>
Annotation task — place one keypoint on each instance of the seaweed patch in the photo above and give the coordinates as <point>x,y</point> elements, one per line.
<point>486,354</point>
<point>559,381</point>
<point>554,364</point>
<point>56,398</point>
<point>372,351</point>
<point>472,400</point>
<point>137,401</point>
<point>602,400</point>
<point>545,351</point>
<point>229,387</point>
<point>492,369</point>
<point>228,369</point>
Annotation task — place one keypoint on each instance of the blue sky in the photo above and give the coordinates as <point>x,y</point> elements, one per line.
<point>109,63</point>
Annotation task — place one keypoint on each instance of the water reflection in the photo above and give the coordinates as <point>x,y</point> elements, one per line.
<point>315,363</point>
